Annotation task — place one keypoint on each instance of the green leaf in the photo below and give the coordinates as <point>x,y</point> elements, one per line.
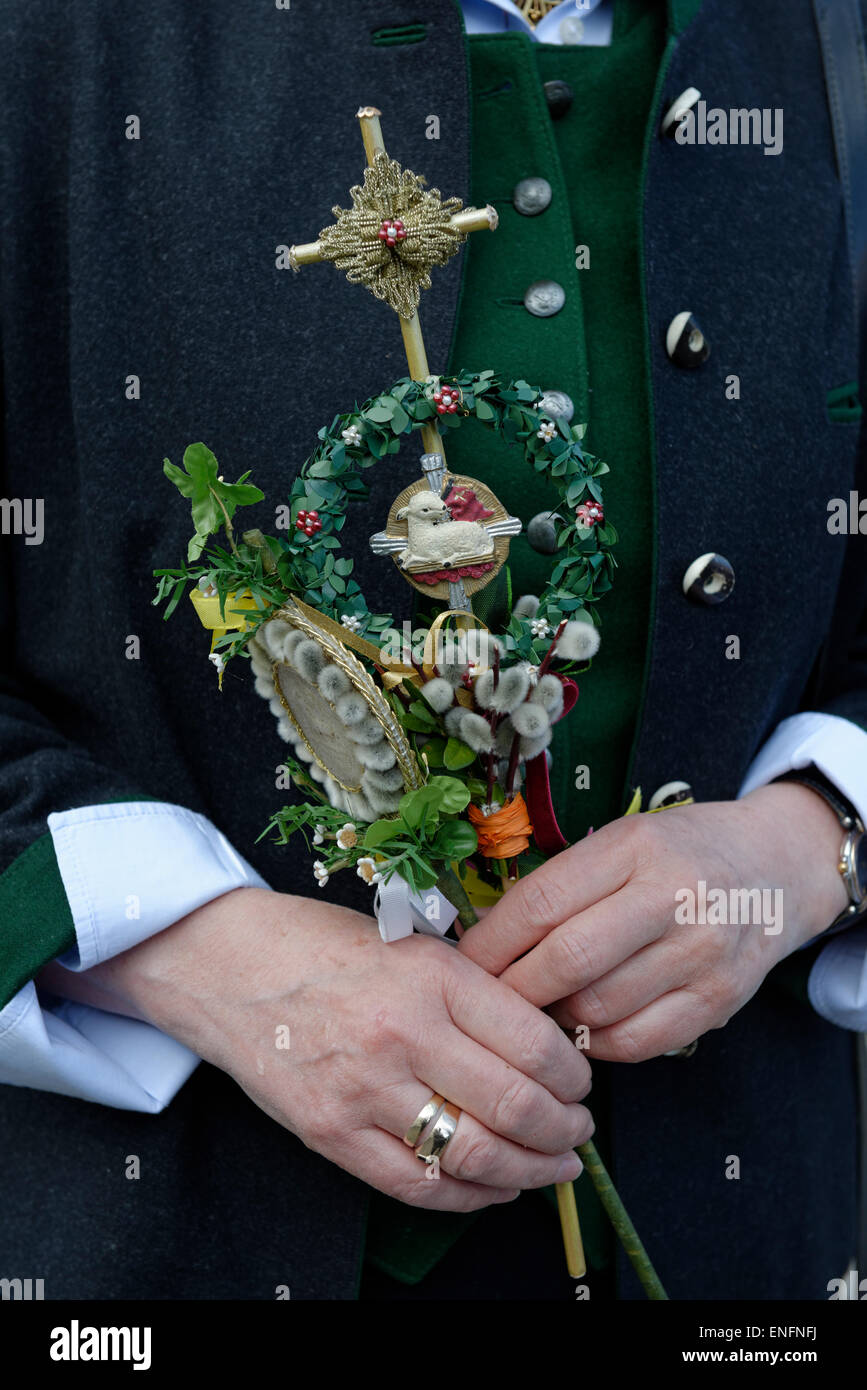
<point>433,750</point>
<point>381,831</point>
<point>182,481</point>
<point>455,840</point>
<point>418,805</point>
<point>423,714</point>
<point>458,755</point>
<point>383,411</point>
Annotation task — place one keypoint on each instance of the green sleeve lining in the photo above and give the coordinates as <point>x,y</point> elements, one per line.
<point>36,919</point>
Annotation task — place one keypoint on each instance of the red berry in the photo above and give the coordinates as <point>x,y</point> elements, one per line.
<point>397,223</point>
<point>301,515</point>
<point>299,524</point>
<point>317,526</point>
<point>312,516</point>
<point>441,409</point>
<point>308,530</point>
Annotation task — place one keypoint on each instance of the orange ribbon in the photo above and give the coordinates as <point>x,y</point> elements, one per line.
<point>506,832</point>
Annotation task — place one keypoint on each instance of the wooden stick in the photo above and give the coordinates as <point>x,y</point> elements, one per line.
<point>599,1176</point>
<point>575,1261</point>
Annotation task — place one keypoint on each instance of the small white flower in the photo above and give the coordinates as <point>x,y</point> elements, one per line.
<point>539,628</point>
<point>366,869</point>
<point>218,660</point>
<point>207,586</point>
<point>320,873</point>
<point>346,836</point>
<point>530,671</point>
<point>546,431</point>
<point>351,623</point>
<point>351,435</point>
<point>319,835</point>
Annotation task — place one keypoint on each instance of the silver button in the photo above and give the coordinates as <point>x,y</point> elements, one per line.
<point>709,579</point>
<point>571,29</point>
<point>685,342</point>
<point>531,196</point>
<point>544,298</point>
<point>542,533</point>
<point>556,404</point>
<point>678,110</point>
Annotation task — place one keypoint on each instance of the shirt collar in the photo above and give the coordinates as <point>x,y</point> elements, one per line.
<point>494,16</point>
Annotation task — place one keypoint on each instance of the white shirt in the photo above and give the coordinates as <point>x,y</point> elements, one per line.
<point>131,870</point>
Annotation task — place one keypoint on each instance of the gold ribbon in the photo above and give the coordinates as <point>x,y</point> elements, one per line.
<point>396,672</point>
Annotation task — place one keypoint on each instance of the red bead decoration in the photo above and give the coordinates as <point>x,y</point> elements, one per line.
<point>392,231</point>
<point>446,399</point>
<point>308,522</point>
<point>589,513</point>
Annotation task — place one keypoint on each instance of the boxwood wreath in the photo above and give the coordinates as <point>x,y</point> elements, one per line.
<point>291,604</point>
<point>312,567</point>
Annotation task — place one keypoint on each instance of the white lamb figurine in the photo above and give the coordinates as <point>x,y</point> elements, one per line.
<point>432,539</point>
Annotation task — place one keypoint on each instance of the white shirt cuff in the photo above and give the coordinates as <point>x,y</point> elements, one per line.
<point>130,870</point>
<point>837,987</point>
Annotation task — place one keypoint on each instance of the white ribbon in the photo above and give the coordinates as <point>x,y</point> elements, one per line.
<point>399,911</point>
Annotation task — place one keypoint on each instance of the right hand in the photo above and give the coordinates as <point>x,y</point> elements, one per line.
<point>373,1030</point>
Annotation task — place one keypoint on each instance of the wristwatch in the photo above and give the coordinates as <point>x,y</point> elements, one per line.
<point>852,863</point>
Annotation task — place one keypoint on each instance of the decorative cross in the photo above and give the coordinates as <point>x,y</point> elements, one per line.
<point>368,238</point>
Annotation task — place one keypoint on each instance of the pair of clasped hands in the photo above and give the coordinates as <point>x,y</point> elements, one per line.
<point>589,939</point>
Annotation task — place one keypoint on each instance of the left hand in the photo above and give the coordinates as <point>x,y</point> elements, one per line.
<point>599,932</point>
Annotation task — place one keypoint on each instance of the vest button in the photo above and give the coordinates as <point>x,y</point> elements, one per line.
<point>544,298</point>
<point>685,343</point>
<point>678,111</point>
<point>542,533</point>
<point>709,579</point>
<point>670,794</point>
<point>571,29</point>
<point>559,96</point>
<point>531,196</point>
<point>556,403</point>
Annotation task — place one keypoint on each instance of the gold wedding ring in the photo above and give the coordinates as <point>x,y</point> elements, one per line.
<point>446,1124</point>
<point>428,1112</point>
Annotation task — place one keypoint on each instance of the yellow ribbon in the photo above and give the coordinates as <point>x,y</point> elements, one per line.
<point>218,623</point>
